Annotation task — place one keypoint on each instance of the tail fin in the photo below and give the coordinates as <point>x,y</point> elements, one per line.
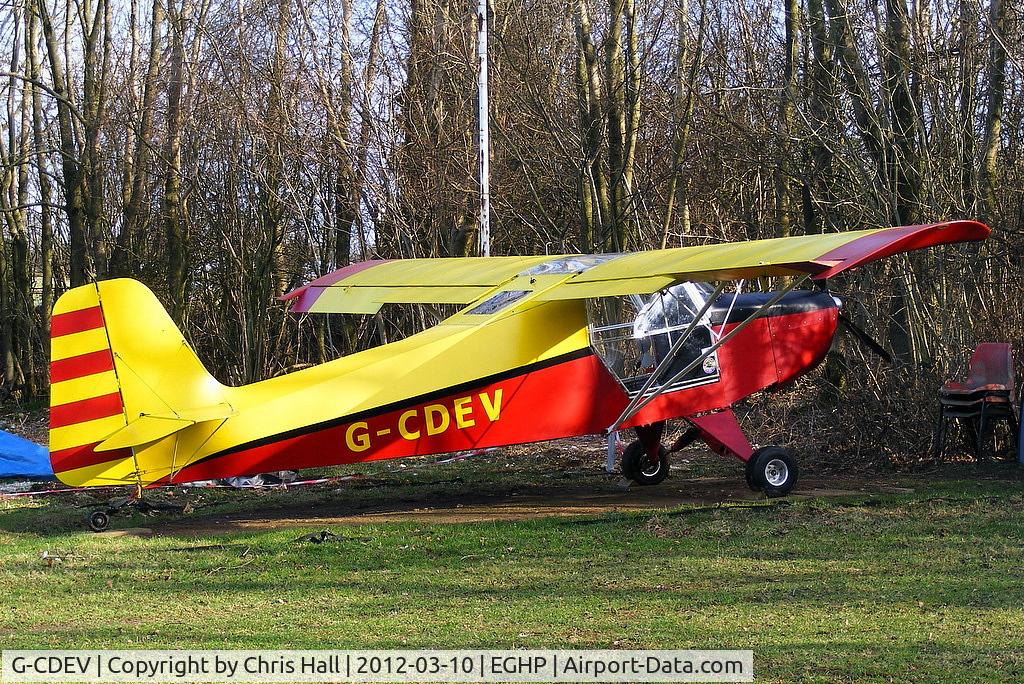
<point>123,379</point>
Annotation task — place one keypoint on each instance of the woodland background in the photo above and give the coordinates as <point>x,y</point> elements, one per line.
<point>225,151</point>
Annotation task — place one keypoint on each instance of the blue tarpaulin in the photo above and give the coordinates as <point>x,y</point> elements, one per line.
<point>22,458</point>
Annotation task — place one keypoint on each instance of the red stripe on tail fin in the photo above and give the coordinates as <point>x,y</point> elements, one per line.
<point>86,409</point>
<point>81,365</point>
<point>81,456</point>
<point>76,321</point>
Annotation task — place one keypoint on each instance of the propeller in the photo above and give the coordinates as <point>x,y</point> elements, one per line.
<point>871,343</point>
<point>847,324</point>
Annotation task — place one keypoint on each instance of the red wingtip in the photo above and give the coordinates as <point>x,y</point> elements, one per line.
<point>308,293</point>
<point>899,239</point>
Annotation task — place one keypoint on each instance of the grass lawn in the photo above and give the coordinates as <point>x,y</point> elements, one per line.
<point>921,585</point>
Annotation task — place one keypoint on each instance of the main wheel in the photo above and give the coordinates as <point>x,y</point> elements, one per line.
<point>747,475</point>
<point>98,521</point>
<point>772,470</point>
<point>637,466</point>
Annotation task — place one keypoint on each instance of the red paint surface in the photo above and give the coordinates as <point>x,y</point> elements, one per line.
<point>801,341</point>
<point>82,365</point>
<point>81,456</point>
<point>76,321</point>
<point>86,409</point>
<point>723,434</point>
<point>575,397</point>
<point>901,239</point>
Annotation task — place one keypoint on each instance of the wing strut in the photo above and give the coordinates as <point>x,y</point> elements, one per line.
<point>639,402</point>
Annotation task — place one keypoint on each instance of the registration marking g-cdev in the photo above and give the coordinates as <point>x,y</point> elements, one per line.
<point>55,665</point>
<point>430,420</point>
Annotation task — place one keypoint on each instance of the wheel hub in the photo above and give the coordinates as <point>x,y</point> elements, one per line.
<point>647,469</point>
<point>776,472</point>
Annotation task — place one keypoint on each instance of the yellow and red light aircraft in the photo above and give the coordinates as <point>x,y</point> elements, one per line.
<point>546,347</point>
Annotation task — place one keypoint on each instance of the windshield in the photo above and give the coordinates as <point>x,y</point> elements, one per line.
<point>664,311</point>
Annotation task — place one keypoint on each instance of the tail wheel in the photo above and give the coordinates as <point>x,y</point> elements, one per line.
<point>98,521</point>
<point>637,466</point>
<point>772,470</point>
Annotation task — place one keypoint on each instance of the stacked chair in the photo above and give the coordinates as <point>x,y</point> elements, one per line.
<point>988,394</point>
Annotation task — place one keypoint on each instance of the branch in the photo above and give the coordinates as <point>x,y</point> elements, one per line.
<point>47,89</point>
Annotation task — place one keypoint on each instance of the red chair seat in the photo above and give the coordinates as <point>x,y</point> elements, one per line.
<point>960,388</point>
<point>991,369</point>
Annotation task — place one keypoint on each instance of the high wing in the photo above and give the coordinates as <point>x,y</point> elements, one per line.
<point>366,286</point>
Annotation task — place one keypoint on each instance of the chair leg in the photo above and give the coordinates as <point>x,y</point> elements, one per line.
<point>940,435</point>
<point>982,424</point>
<point>1018,437</point>
<point>1014,432</point>
<point>969,428</point>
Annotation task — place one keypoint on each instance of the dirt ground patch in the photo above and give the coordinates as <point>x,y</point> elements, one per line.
<point>503,506</point>
<point>563,479</point>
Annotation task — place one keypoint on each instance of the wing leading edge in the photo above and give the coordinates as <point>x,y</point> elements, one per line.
<point>366,286</point>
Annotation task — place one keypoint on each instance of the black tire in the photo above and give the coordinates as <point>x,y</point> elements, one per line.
<point>627,464</point>
<point>772,470</point>
<point>747,476</point>
<point>98,521</point>
<point>636,465</point>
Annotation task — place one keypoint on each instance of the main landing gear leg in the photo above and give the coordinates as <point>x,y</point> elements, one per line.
<point>645,461</point>
<point>771,469</point>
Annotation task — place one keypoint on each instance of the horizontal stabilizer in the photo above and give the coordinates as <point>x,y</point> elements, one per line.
<point>151,427</point>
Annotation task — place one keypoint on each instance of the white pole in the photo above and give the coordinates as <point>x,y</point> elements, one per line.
<point>485,137</point>
<point>613,440</point>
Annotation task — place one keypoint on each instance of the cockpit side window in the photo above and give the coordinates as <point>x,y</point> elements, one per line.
<point>701,290</point>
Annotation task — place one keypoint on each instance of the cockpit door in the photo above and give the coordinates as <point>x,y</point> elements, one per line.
<point>633,349</point>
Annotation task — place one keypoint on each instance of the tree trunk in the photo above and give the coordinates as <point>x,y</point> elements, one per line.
<point>822,105</point>
<point>994,109</point>
<point>70,164</point>
<point>869,125</point>
<point>97,51</point>
<point>366,120</point>
<point>174,225</point>
<point>125,260</point>
<point>686,86</point>
<point>17,310</point>
<point>904,159</point>
<point>43,178</point>
<point>594,180</point>
<point>787,116</point>
<point>272,205</point>
<point>904,166</point>
<point>617,127</point>
<point>968,21</point>
<point>346,195</point>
